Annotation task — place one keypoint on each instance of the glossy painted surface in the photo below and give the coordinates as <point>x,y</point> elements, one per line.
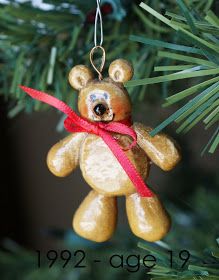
<point>103,172</point>
<point>63,157</point>
<point>79,76</point>
<point>120,71</point>
<point>161,149</point>
<point>107,100</point>
<point>96,217</point>
<point>147,217</point>
<point>105,92</point>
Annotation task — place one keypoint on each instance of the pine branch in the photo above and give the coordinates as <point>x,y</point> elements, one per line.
<point>197,38</point>
<point>30,37</point>
<point>38,51</point>
<point>37,45</point>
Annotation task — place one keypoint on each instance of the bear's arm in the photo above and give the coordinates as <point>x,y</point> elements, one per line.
<point>63,157</point>
<point>161,149</point>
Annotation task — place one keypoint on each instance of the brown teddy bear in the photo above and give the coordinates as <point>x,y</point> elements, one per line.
<point>105,101</point>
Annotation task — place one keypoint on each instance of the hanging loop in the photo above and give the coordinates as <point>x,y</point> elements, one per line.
<point>98,19</point>
<point>103,59</point>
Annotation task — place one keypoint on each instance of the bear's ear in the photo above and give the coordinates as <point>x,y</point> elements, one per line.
<point>79,76</point>
<point>120,71</point>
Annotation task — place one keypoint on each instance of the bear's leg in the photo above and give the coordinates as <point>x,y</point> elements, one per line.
<point>147,217</point>
<point>96,217</point>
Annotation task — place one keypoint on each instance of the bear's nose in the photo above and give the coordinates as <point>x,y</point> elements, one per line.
<point>100,109</point>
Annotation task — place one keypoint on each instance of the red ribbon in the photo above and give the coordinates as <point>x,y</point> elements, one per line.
<point>75,123</point>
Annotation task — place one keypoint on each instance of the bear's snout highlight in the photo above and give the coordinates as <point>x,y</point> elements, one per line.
<point>100,109</point>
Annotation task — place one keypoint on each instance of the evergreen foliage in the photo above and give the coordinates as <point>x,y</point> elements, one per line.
<point>38,48</point>
<point>193,52</point>
<point>180,38</point>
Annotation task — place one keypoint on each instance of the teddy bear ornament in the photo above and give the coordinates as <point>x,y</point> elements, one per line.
<point>113,153</point>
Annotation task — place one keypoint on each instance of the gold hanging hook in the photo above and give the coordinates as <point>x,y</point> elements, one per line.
<point>103,59</point>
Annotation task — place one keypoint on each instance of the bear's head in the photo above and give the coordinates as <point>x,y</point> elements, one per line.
<point>103,100</point>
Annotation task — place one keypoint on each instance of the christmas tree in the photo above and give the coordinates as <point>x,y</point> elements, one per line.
<point>173,46</point>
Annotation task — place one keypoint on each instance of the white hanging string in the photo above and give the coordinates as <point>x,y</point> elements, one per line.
<point>98,22</point>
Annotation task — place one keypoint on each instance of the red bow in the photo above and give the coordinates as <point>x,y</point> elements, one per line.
<point>74,123</point>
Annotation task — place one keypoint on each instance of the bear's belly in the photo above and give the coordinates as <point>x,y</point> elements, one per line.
<point>103,172</point>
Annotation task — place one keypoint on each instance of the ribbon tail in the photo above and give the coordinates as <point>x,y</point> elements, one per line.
<point>131,171</point>
<point>51,100</point>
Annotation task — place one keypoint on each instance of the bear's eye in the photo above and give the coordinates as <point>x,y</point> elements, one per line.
<point>105,95</point>
<point>92,97</point>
